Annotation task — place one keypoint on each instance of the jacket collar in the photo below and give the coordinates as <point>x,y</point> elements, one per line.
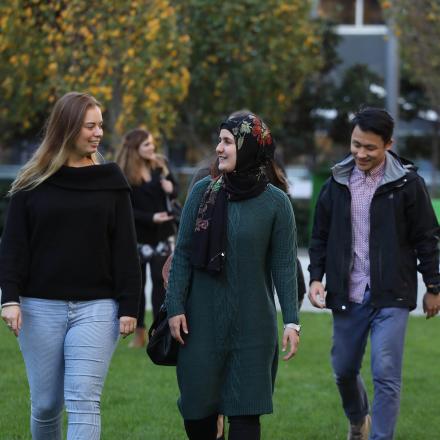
<point>395,169</point>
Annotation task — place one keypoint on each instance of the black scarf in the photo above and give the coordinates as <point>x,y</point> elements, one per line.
<point>255,148</point>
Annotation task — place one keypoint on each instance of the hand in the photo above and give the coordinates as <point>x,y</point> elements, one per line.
<point>127,325</point>
<point>175,323</point>
<point>162,217</point>
<point>167,185</point>
<point>317,294</point>
<point>431,304</point>
<point>290,335</point>
<point>12,316</point>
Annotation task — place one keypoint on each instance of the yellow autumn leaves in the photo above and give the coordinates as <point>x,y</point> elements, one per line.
<point>129,54</point>
<point>140,57</point>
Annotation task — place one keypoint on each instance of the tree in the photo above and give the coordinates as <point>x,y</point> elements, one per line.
<point>418,29</point>
<point>253,54</point>
<point>300,123</point>
<point>24,70</point>
<point>129,54</point>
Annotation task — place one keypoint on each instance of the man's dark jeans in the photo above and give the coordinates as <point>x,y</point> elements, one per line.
<point>350,333</point>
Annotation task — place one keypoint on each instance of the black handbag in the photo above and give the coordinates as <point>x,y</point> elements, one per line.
<point>162,348</point>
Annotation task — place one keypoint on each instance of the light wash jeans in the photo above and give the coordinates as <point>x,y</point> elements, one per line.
<point>67,347</point>
<point>387,327</point>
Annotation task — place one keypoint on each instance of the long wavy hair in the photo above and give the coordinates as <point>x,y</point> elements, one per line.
<point>131,162</point>
<point>61,131</point>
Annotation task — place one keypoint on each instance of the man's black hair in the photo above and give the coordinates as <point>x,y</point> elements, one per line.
<point>376,120</point>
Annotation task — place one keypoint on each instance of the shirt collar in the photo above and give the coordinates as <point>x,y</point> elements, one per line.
<point>374,174</point>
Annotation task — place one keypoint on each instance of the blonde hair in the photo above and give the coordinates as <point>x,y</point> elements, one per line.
<point>61,131</point>
<point>131,162</point>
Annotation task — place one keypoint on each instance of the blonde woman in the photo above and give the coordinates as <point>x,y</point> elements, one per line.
<point>69,271</point>
<point>153,188</point>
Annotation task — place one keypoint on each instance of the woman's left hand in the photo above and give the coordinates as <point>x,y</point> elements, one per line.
<point>127,325</point>
<point>290,335</point>
<point>167,185</point>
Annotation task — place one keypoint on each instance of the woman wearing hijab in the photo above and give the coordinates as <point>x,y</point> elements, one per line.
<point>236,242</point>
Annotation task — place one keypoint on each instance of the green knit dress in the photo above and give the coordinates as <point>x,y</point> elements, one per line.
<point>229,361</point>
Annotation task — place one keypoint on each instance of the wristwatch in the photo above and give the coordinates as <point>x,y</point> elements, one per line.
<point>433,288</point>
<point>295,327</point>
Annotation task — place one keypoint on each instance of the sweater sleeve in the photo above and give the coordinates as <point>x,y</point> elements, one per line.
<point>283,259</point>
<point>126,267</point>
<point>181,268</point>
<point>173,180</point>
<point>14,250</point>
<point>144,217</point>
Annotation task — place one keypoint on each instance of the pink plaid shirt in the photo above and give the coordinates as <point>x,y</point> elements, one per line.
<point>362,187</point>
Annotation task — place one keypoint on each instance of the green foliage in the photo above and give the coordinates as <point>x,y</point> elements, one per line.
<point>297,132</point>
<point>353,92</point>
<point>139,399</point>
<point>417,24</point>
<point>250,54</point>
<point>128,54</point>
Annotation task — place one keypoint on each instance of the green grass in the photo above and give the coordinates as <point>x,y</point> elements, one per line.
<point>139,399</point>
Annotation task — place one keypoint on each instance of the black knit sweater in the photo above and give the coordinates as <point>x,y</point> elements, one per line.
<point>72,238</point>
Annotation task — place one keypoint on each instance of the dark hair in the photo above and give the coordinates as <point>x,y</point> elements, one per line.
<point>240,113</point>
<point>277,175</point>
<point>375,120</point>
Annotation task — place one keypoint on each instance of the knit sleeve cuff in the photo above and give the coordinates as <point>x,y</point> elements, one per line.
<point>10,293</point>
<point>290,318</point>
<point>174,308</point>
<point>128,307</point>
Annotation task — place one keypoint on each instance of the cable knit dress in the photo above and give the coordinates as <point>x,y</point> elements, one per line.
<point>229,361</point>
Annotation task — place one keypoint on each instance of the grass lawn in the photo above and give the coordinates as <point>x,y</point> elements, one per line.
<point>139,399</point>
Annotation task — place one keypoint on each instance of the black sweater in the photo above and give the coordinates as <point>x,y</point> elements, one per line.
<point>149,198</point>
<point>72,238</point>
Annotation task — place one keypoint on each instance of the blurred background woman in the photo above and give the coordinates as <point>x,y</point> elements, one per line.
<point>154,189</point>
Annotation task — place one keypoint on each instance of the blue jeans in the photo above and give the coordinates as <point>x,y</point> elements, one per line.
<point>350,332</point>
<point>67,347</point>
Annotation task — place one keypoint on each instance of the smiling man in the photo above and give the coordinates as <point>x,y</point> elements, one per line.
<point>374,227</point>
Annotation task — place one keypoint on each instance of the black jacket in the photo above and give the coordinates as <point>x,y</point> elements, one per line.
<point>72,238</point>
<point>149,198</point>
<point>404,234</point>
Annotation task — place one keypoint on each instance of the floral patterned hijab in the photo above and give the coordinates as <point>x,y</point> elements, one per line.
<point>255,149</point>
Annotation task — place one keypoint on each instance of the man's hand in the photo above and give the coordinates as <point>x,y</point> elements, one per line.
<point>12,317</point>
<point>176,323</point>
<point>431,304</point>
<point>290,335</point>
<point>317,294</point>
